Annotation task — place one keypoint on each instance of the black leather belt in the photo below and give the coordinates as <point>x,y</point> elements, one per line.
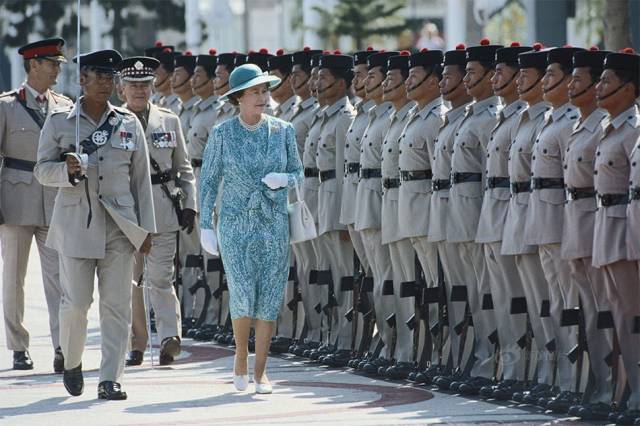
<point>607,200</point>
<point>352,167</point>
<point>196,162</point>
<point>498,182</point>
<point>390,183</point>
<point>634,193</point>
<point>518,187</point>
<point>311,172</point>
<point>407,175</point>
<point>580,193</point>
<point>160,178</point>
<point>440,184</point>
<point>325,175</point>
<point>466,177</point>
<point>370,173</point>
<point>14,163</point>
<point>547,183</point>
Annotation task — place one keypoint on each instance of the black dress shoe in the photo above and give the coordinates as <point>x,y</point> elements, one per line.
<point>592,411</point>
<point>58,361</point>
<point>73,381</point>
<point>428,375</point>
<point>22,360</point>
<point>339,358</point>
<point>372,367</point>
<point>169,350</point>
<point>564,401</point>
<point>473,386</point>
<point>399,371</point>
<point>505,392</point>
<point>445,381</point>
<point>628,417</point>
<point>134,358</point>
<point>280,345</point>
<point>538,391</point>
<point>111,391</point>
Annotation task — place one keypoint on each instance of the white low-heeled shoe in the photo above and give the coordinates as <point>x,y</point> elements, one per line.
<point>240,382</point>
<point>263,388</point>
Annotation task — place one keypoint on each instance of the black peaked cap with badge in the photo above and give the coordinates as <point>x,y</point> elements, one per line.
<point>535,58</point>
<point>304,57</point>
<point>138,68</point>
<point>360,57</point>
<point>399,62</point>
<point>458,56</point>
<point>380,59</point>
<point>50,48</point>
<point>426,58</point>
<point>485,52</point>
<point>281,61</point>
<point>186,61</point>
<point>563,56</point>
<point>509,55</point>
<point>104,61</point>
<point>626,60</point>
<point>336,60</point>
<point>208,62</point>
<point>592,58</point>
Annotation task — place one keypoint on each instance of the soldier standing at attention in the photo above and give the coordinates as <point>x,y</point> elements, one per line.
<point>25,205</point>
<point>108,203</point>
<point>501,270</point>
<point>614,249</point>
<point>162,82</point>
<point>401,251</point>
<point>185,66</point>
<point>544,221</point>
<point>168,157</point>
<point>224,65</point>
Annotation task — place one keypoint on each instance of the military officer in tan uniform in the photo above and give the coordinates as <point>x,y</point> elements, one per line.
<point>25,206</point>
<point>352,148</point>
<point>335,72</point>
<point>369,208</point>
<point>532,66</point>
<point>615,167</point>
<point>468,161</point>
<point>577,232</point>
<point>544,222</point>
<point>103,213</point>
<point>304,117</point>
<point>400,249</point>
<point>164,82</point>
<point>501,270</point>
<point>185,65</point>
<point>453,91</point>
<point>168,157</point>
<point>416,148</point>
<point>280,65</point>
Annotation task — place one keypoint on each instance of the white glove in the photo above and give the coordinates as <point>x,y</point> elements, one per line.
<point>276,180</point>
<point>209,242</point>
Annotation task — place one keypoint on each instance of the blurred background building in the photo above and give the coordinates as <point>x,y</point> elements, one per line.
<point>227,25</point>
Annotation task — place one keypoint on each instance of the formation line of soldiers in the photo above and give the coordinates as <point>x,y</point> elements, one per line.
<point>475,213</point>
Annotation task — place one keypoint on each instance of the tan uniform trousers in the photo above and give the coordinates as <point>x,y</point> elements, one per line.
<point>380,261</point>
<point>403,270</point>
<point>322,293</point>
<point>114,274</point>
<point>623,292</point>
<point>562,295</point>
<point>312,294</point>
<point>505,284</point>
<point>16,245</point>
<point>536,292</point>
<point>593,298</point>
<point>358,246</point>
<point>428,257</point>
<point>160,291</point>
<point>484,321</point>
<point>340,254</point>
<point>285,326</point>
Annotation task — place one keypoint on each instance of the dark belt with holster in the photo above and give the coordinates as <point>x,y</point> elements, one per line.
<point>352,168</point>
<point>370,173</point>
<point>440,184</point>
<point>547,183</point>
<point>311,172</point>
<point>498,182</point>
<point>608,200</point>
<point>579,193</point>
<point>326,175</point>
<point>14,163</point>
<point>466,177</point>
<point>407,175</point>
<point>518,187</point>
<point>390,183</point>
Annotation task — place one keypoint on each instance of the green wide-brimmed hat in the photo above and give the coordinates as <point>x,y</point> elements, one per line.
<point>246,76</point>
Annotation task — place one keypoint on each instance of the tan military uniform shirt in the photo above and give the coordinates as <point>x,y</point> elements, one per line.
<point>302,118</point>
<point>186,111</point>
<point>285,110</point>
<point>118,180</point>
<point>336,120</point>
<point>531,121</point>
<point>468,156</point>
<point>352,156</point>
<point>171,102</point>
<point>23,200</point>
<point>416,150</point>
<point>495,202</point>
<point>226,112</point>
<point>167,147</point>
<point>579,162</point>
<point>612,175</point>
<point>369,194</point>
<point>309,154</point>
<point>391,170</point>
<point>205,115</point>
<point>546,206</point>
<point>441,168</point>
<point>633,211</point>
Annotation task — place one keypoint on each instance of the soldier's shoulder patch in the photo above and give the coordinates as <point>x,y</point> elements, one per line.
<point>6,96</point>
<point>61,96</point>
<point>122,111</point>
<point>61,109</point>
<point>166,110</point>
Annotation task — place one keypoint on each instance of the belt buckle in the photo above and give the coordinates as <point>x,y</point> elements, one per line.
<point>602,200</point>
<point>570,194</point>
<point>634,193</point>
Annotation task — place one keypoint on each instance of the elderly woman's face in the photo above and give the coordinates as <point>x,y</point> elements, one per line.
<point>254,100</point>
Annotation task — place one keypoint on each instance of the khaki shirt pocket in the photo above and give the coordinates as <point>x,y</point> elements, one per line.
<point>15,176</point>
<point>502,194</point>
<point>619,211</point>
<point>373,185</point>
<point>69,200</point>
<point>125,201</point>
<point>468,189</point>
<point>552,196</point>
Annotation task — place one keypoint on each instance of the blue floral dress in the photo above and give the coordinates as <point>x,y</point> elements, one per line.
<point>253,225</point>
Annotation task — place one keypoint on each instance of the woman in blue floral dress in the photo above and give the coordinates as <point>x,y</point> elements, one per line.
<point>257,157</point>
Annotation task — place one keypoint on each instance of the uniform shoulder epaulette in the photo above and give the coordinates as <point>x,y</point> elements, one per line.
<point>60,95</point>
<point>9,93</point>
<point>167,110</point>
<point>61,109</point>
<point>122,111</point>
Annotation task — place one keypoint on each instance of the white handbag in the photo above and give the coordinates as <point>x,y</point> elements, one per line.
<point>301,224</point>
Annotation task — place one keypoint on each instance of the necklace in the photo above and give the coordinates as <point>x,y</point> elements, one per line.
<point>251,127</point>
